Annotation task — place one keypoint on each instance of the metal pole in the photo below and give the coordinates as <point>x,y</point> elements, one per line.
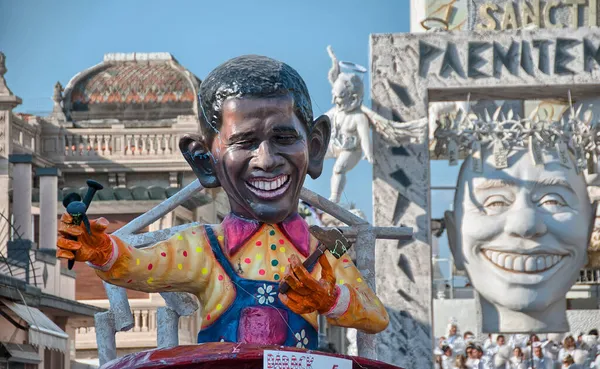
<point>105,337</point>
<point>365,262</point>
<point>119,305</point>
<point>323,341</point>
<point>451,263</point>
<point>160,210</point>
<point>388,233</point>
<point>332,208</point>
<point>168,327</point>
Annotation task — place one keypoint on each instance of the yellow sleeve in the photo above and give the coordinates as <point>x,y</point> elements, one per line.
<point>183,263</point>
<point>357,305</point>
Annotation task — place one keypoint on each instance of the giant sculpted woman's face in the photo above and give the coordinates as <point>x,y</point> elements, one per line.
<point>521,232</point>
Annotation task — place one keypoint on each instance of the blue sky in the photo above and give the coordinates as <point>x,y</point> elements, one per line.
<point>47,41</point>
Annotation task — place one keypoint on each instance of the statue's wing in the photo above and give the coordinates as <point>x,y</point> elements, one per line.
<point>395,133</point>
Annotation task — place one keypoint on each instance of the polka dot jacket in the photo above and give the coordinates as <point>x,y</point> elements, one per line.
<point>257,251</point>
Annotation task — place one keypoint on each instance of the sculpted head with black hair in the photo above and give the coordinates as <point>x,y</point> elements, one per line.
<point>258,137</point>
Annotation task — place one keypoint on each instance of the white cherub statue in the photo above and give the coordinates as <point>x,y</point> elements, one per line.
<point>351,121</point>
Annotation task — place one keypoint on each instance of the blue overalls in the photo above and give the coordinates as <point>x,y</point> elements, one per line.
<point>256,298</point>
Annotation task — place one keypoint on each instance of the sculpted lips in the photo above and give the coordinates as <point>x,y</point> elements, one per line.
<point>523,263</point>
<point>269,188</point>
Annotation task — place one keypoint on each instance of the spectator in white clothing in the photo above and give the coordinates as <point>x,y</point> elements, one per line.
<point>539,360</point>
<point>517,361</point>
<point>567,349</point>
<point>447,357</point>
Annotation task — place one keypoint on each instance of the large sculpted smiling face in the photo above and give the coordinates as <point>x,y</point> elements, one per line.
<point>261,157</point>
<point>522,231</point>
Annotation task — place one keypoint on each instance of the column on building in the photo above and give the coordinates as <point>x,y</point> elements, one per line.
<point>22,188</point>
<point>48,221</point>
<point>4,203</point>
<point>48,207</point>
<point>8,101</point>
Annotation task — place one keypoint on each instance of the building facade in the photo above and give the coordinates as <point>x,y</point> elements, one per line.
<point>118,123</point>
<point>38,310</point>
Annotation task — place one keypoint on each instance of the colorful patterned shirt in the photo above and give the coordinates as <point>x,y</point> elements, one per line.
<point>257,251</point>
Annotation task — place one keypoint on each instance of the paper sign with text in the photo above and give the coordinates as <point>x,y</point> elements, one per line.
<point>301,360</point>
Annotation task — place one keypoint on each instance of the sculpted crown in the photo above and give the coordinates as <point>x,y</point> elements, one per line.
<point>470,133</point>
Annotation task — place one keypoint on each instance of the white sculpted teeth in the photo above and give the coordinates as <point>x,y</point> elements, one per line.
<point>522,263</point>
<point>495,255</point>
<point>530,264</point>
<point>508,262</point>
<point>501,258</point>
<point>541,263</point>
<point>518,264</point>
<point>270,185</point>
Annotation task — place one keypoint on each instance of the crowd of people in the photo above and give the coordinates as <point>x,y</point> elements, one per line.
<point>517,351</point>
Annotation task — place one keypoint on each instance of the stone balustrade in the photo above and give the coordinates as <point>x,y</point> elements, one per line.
<point>25,134</point>
<point>110,144</point>
<point>114,144</point>
<point>589,276</point>
<point>144,332</point>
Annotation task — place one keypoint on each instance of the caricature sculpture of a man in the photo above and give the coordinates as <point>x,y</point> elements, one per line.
<point>258,141</point>
<point>521,233</point>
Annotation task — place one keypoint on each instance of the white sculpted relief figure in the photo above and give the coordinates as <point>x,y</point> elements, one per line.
<point>350,125</point>
<point>351,121</point>
<point>521,232</point>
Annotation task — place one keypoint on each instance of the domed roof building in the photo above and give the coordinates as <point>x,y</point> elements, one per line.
<point>118,123</point>
<point>134,86</point>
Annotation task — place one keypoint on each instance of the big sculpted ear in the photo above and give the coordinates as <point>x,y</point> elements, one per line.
<point>318,141</point>
<point>196,153</point>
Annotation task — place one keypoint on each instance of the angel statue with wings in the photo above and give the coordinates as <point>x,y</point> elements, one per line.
<point>351,120</point>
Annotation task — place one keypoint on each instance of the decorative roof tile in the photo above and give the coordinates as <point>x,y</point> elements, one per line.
<point>132,86</point>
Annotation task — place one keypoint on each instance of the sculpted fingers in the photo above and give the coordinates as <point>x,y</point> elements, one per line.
<point>66,228</point>
<point>326,270</point>
<point>304,277</point>
<point>64,254</point>
<point>298,304</point>
<point>67,244</point>
<point>66,218</point>
<point>99,225</point>
<point>295,284</point>
<point>70,230</point>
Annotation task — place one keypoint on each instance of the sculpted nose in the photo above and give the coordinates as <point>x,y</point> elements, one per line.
<point>267,158</point>
<point>525,223</point>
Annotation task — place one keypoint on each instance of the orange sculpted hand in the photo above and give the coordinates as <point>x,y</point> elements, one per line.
<point>75,242</point>
<point>306,294</point>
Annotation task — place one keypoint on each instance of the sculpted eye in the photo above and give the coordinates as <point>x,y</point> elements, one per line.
<point>552,203</point>
<point>496,204</point>
<point>246,144</point>
<point>285,139</point>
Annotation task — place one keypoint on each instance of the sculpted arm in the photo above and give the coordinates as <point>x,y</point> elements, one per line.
<point>183,263</point>
<point>334,72</point>
<point>357,306</point>
<point>362,127</point>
